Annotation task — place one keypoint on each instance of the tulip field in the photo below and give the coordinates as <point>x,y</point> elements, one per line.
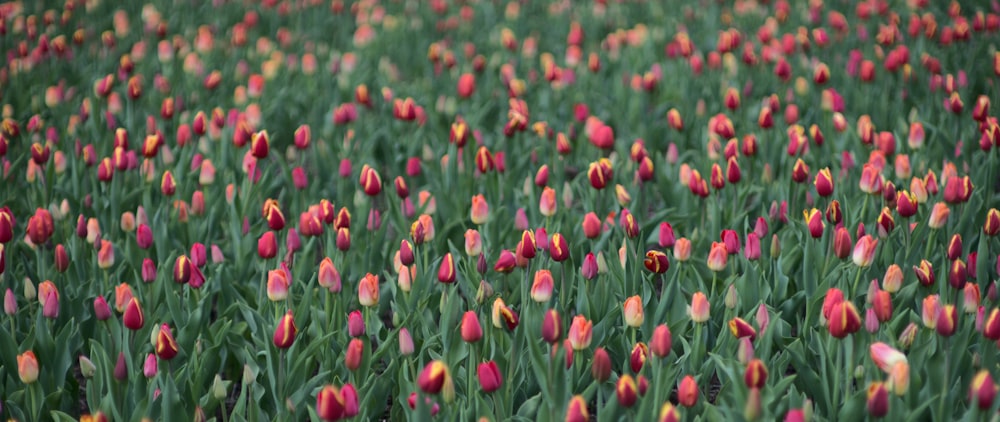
<point>494,210</point>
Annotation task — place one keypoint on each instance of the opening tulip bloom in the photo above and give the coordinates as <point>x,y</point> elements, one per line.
<point>864,251</point>
<point>166,346</point>
<point>656,262</point>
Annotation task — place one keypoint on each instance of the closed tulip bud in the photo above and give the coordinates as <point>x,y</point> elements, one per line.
<point>957,274</point>
<point>662,341</point>
<point>882,305</point>
<point>406,346</point>
<point>105,255</point>
<point>755,375</point>
<point>271,211</point>
<point>354,354</point>
<point>101,309</point>
<point>580,333</point>
<point>731,298</point>
<point>490,378</point>
<point>666,237</point>
<point>527,247</point>
<point>370,181</point>
<point>284,333</point>
<point>591,225</point>
<point>541,288</point>
<point>471,330</point>
<point>355,324</point>
<point>577,410</point>
<point>480,211</point>
<point>955,247</point>
<point>878,400</point>
<point>924,273</point>
<point>27,367</point>
<point>267,245</point>
<point>992,224</point>
<point>589,268</point>
<point>930,311</point>
<point>687,392</point>
<point>552,327</point>
<point>433,377</point>
<point>740,328</point>
<point>343,241</point>
<point>717,257</point>
<point>906,204</point>
<point>682,249</point>
<point>752,248</point>
<point>656,262</point>
<point>971,298</point>
<point>991,326</point>
<point>983,390</point>
<point>824,182</point>
<point>558,248</point>
<point>473,245</point>
<point>633,312</point>
<point>629,223</point>
<point>505,263</point>
<point>864,251</point>
<point>939,216</point>
<point>330,404</point>
<point>446,271</point>
<point>699,309</point>
<point>133,318</point>
<point>947,320</point>
<point>547,205</point>
<point>368,290</point>
<point>627,391</point>
<point>9,303</point>
<point>166,347</point>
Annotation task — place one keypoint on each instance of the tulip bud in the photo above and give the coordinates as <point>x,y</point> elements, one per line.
<point>601,365</point>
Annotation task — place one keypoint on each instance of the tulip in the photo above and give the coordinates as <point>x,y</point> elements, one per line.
<point>527,247</point>
<point>547,203</point>
<point>27,367</point>
<point>627,391</point>
<point>939,216</point>
<point>577,410</point>
<point>267,245</point>
<point>893,279</point>
<point>669,413</point>
<point>580,332</point>
<point>330,404</point>
<point>740,328</point>
<point>589,269</point>
<point>480,211</point>
<point>824,182</point>
<point>958,274</point>
<point>755,375</point>
<point>990,227</point>
<point>844,319</point>
<point>864,251</point>
<point>633,313</point>
<point>101,310</point>
<point>9,303</point>
<point>7,223</point>
<point>368,290</point>
<point>878,400</point>
<point>503,316</point>
<point>924,272</point>
<point>490,378</point>
<point>661,343</point>
<point>591,225</point>
<point>699,309</point>
<point>882,305</point>
<point>277,285</point>
<point>433,377</point>
<point>472,331</point>
<point>991,328</point>
<point>983,390</point>
<point>717,257</point>
<point>271,211</point>
<point>370,181</point>
<point>166,347</point>
<point>814,221</point>
<point>329,277</point>
<point>541,288</point>
<point>506,262</point>
<point>687,392</point>
<point>284,333</point>
<point>656,262</point>
<point>682,249</point>
<point>354,354</point>
<point>133,318</point>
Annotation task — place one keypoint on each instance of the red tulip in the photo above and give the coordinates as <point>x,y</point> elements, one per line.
<point>490,378</point>
<point>284,333</point>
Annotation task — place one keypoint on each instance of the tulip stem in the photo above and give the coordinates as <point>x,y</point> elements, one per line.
<point>854,288</point>
<point>944,386</point>
<point>470,396</point>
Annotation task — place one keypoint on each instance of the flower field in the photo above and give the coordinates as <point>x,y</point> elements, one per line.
<point>486,210</point>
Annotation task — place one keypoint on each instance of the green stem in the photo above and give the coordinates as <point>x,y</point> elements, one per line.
<point>944,387</point>
<point>470,395</point>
